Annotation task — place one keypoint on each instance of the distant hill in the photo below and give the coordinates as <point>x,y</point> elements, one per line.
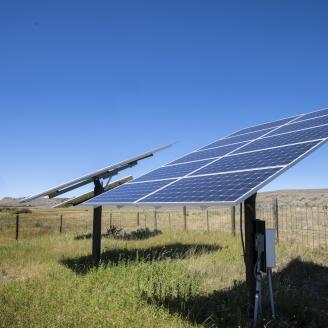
<point>301,197</point>
<point>10,202</point>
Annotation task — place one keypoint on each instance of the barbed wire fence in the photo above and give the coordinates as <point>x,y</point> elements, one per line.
<point>307,225</point>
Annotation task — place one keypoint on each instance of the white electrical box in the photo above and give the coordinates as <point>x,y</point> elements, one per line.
<point>270,241</point>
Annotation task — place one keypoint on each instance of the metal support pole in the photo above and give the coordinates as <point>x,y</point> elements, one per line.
<point>258,294</point>
<point>250,252</point>
<point>260,249</point>
<point>233,221</point>
<point>17,226</point>
<point>96,232</point>
<point>273,312</point>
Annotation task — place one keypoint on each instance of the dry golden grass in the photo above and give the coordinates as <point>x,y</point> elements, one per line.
<point>176,279</point>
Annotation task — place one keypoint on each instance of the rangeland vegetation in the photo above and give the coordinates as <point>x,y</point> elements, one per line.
<point>163,278</point>
<point>172,279</point>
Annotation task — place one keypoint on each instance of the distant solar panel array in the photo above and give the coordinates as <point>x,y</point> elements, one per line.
<point>104,173</point>
<point>228,170</point>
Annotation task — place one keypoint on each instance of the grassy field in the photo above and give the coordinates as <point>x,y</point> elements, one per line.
<point>175,279</point>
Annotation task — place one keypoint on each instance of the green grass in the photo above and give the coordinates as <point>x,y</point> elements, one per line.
<point>174,279</point>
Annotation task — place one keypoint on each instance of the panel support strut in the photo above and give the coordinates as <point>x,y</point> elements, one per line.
<point>250,252</point>
<point>96,232</point>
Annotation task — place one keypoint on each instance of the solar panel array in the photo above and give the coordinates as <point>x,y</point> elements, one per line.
<point>228,170</point>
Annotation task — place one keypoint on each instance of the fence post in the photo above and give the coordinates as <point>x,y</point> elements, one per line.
<point>155,219</point>
<point>110,219</point>
<point>86,224</point>
<point>138,219</point>
<point>275,216</point>
<point>61,224</point>
<point>17,226</point>
<point>233,220</point>
<point>184,218</point>
<point>207,221</point>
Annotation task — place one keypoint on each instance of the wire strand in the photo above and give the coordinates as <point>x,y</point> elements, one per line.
<point>241,231</point>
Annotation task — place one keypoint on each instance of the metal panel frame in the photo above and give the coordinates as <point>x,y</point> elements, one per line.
<point>89,178</point>
<point>89,195</point>
<point>140,203</point>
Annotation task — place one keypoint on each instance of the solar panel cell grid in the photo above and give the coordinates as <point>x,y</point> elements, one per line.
<point>287,138</point>
<point>129,192</point>
<point>232,140</point>
<point>208,153</point>
<point>263,126</point>
<point>270,157</point>
<point>314,114</point>
<point>212,188</point>
<point>174,171</point>
<point>302,125</point>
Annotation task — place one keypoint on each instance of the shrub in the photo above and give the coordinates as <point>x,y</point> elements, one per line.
<point>21,211</point>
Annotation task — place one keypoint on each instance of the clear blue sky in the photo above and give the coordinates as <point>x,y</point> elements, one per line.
<point>87,83</point>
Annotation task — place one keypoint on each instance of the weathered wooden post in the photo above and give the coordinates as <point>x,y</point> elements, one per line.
<point>207,221</point>
<point>250,252</point>
<point>170,221</point>
<point>61,224</point>
<point>155,219</point>
<point>86,224</point>
<point>233,220</point>
<point>205,216</point>
<point>184,212</point>
<point>275,210</point>
<point>110,219</point>
<point>17,226</point>
<point>138,219</point>
<point>145,218</point>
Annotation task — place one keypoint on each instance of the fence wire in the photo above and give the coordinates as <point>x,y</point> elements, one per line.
<point>303,224</point>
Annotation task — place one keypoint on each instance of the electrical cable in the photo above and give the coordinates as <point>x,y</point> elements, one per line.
<point>241,231</point>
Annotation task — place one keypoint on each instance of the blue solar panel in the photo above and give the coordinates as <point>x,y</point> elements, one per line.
<point>212,188</point>
<point>228,170</point>
<point>263,126</point>
<point>302,125</point>
<point>173,171</point>
<point>312,115</point>
<point>128,193</point>
<point>232,140</point>
<point>287,138</point>
<point>265,158</point>
<point>208,153</point>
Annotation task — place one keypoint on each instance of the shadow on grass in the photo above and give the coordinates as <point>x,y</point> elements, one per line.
<point>83,236</point>
<point>140,234</point>
<point>84,264</point>
<point>300,292</point>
